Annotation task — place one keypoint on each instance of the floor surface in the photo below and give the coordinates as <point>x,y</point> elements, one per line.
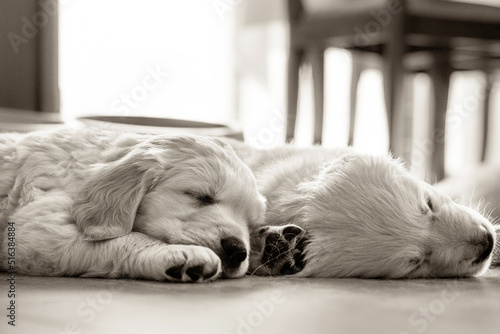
<point>253,305</point>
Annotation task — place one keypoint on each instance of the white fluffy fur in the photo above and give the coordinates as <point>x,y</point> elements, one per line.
<point>365,215</point>
<point>97,203</point>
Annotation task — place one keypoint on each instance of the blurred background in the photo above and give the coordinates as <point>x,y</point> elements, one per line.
<point>419,78</point>
<point>228,62</point>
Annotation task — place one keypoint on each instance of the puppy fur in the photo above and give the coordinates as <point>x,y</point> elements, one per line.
<point>365,216</point>
<point>95,203</point>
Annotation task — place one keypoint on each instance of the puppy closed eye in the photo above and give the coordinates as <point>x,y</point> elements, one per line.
<point>428,207</point>
<point>201,198</point>
<point>429,204</point>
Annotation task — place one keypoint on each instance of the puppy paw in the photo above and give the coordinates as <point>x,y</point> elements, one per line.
<point>283,251</point>
<point>191,264</point>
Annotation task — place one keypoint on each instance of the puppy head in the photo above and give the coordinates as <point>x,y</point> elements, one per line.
<point>181,190</point>
<point>366,216</point>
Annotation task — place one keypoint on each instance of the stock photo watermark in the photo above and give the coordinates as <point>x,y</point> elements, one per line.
<point>422,149</point>
<point>456,115</point>
<point>469,104</point>
<point>128,101</point>
<point>261,311</point>
<point>87,310</point>
<point>222,7</point>
<point>29,26</point>
<point>11,270</point>
<point>381,19</point>
<point>420,320</point>
<point>269,135</point>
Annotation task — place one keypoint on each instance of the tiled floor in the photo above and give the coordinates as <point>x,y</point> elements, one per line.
<point>254,305</point>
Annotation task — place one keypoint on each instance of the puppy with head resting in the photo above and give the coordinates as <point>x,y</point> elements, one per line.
<point>94,203</point>
<point>340,213</point>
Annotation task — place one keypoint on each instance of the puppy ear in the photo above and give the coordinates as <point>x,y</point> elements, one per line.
<point>105,207</point>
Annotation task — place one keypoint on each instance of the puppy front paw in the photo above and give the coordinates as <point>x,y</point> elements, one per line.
<point>282,249</point>
<point>184,263</point>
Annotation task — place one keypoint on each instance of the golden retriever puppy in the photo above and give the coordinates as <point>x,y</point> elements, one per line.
<point>94,203</point>
<point>339,213</point>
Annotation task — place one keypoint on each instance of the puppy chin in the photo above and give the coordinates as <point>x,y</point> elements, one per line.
<point>483,268</point>
<point>240,271</point>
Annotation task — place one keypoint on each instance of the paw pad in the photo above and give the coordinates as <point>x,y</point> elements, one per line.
<point>284,249</point>
<point>191,274</point>
<point>175,272</point>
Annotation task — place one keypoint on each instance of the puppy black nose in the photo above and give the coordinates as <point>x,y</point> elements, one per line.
<point>235,251</point>
<point>486,248</point>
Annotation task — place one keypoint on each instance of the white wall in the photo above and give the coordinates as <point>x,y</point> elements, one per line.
<point>108,50</point>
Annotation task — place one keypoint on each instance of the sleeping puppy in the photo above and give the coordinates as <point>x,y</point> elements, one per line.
<point>94,203</point>
<point>339,213</point>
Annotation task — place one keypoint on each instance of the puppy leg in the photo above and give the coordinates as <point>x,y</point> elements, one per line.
<point>48,243</point>
<point>151,259</point>
<point>53,246</point>
<point>134,255</point>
